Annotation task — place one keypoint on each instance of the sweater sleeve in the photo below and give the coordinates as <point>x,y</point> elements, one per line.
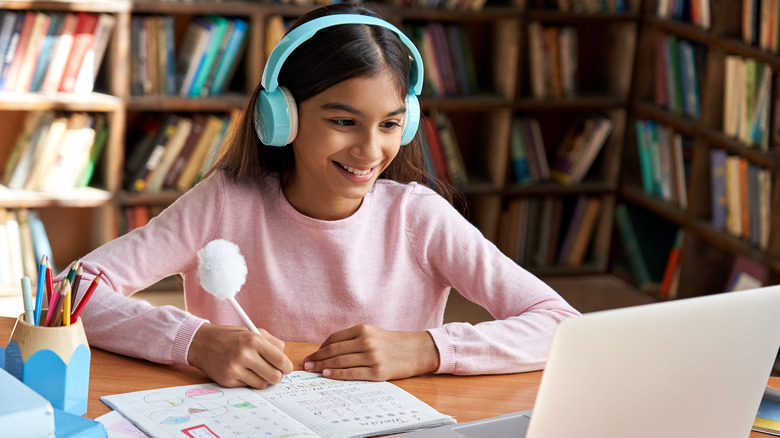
<point>166,246</point>
<point>527,311</point>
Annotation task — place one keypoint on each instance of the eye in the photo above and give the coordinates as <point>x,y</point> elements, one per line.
<point>389,125</point>
<point>343,123</point>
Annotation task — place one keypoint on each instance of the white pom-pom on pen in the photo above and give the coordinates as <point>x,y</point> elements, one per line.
<point>222,271</point>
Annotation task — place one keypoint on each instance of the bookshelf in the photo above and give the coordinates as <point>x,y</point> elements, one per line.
<point>710,247</point>
<point>596,81</point>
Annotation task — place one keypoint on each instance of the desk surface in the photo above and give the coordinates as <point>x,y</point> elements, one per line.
<point>465,398</point>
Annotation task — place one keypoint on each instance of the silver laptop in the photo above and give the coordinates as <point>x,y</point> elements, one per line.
<point>688,368</point>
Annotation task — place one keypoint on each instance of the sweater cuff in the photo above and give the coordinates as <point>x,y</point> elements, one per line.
<point>183,339</point>
<point>446,350</point>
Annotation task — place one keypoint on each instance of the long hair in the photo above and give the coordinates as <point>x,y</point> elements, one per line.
<point>333,55</point>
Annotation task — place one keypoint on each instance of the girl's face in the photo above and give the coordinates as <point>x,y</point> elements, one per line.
<point>347,136</point>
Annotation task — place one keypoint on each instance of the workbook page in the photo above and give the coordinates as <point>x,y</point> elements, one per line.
<point>335,408</point>
<point>205,411</point>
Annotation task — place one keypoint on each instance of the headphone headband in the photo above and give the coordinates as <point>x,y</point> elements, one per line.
<point>302,33</point>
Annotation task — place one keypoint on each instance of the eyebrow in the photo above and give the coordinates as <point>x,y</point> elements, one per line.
<point>352,110</point>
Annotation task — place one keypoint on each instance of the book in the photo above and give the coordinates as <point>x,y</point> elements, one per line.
<point>746,274</point>
<point>83,42</point>
<point>23,412</point>
<point>20,51</point>
<point>229,60</point>
<point>519,158</point>
<point>307,405</point>
<point>7,276</point>
<point>10,49</point>
<point>206,62</point>
<point>152,154</point>
<point>647,240</point>
<point>211,130</point>
<point>578,149</point>
<point>101,139</point>
<point>672,267</point>
<point>7,23</point>
<point>14,244</point>
<point>38,33</point>
<point>718,187</point>
<point>93,58</point>
<point>196,40</point>
<point>456,168</point>
<point>40,239</point>
<point>59,57</point>
<point>585,232</point>
<point>47,51</point>
<point>46,152</point>
<point>768,415</point>
<point>172,149</point>
<point>70,155</point>
<point>29,262</point>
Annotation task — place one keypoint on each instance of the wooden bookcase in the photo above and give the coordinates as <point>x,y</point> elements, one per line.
<point>708,252</point>
<point>79,221</point>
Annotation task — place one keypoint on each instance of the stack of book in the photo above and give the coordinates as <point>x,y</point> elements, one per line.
<point>553,56</point>
<point>447,58</point>
<point>579,6</point>
<point>549,231</point>
<point>52,51</point>
<point>579,148</point>
<point>665,160</point>
<point>759,24</point>
<point>56,151</point>
<point>747,92</point>
<point>442,156</point>
<point>457,5</point>
<point>23,241</point>
<point>203,65</point>
<point>529,157</point>
<point>678,75</point>
<point>697,12</point>
<point>174,153</point>
<point>741,197</point>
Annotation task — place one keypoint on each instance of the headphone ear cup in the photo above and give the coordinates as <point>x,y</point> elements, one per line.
<point>412,119</point>
<point>276,117</point>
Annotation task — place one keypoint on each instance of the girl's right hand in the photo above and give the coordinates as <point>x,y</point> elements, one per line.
<point>235,356</point>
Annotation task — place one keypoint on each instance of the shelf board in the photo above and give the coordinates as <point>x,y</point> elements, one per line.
<point>190,7</point>
<point>69,5</point>
<point>489,13</point>
<point>10,101</point>
<point>131,198</point>
<point>660,207</point>
<point>553,16</point>
<point>479,102</point>
<point>227,102</point>
<point>585,269</point>
<point>553,189</point>
<point>682,123</point>
<point>80,197</point>
<point>680,28</point>
<point>574,103</point>
<point>733,244</point>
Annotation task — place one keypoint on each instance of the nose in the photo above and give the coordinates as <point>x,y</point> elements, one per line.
<point>368,146</point>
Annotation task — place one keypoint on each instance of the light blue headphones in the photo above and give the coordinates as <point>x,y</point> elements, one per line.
<point>276,114</point>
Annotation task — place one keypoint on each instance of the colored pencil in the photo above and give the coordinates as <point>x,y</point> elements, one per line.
<point>80,306</point>
<point>49,282</point>
<point>39,291</point>
<point>29,311</point>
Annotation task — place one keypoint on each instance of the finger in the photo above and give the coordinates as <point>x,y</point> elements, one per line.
<point>335,349</point>
<point>338,362</point>
<point>358,373</point>
<point>275,358</point>
<point>278,343</point>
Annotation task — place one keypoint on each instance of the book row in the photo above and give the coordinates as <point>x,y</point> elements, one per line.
<point>553,55</point>
<point>678,75</point>
<point>52,52</point>
<point>549,231</point>
<point>453,5</point>
<point>56,151</point>
<point>665,161</point>
<point>584,138</point>
<point>741,197</point>
<point>760,24</point>
<point>201,64</point>
<point>441,154</point>
<point>448,59</point>
<point>173,152</point>
<point>747,93</point>
<point>23,242</point>
<point>697,12</point>
<point>579,6</point>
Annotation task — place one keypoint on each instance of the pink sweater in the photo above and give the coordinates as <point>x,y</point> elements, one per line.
<point>391,264</point>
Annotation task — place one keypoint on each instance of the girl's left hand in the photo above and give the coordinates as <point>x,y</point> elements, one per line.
<point>367,352</point>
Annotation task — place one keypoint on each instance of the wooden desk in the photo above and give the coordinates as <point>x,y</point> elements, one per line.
<point>465,398</point>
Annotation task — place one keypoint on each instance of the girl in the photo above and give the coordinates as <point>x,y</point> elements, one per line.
<point>344,246</point>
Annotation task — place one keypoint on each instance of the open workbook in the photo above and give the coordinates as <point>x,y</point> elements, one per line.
<point>306,404</point>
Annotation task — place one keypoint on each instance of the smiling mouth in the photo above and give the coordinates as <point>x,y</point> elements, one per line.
<point>354,171</point>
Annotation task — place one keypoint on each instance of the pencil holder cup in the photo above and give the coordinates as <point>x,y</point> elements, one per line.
<point>53,361</point>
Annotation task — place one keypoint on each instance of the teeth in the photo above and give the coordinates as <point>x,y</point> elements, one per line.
<point>355,171</point>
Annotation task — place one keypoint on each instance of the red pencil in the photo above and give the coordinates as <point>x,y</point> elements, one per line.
<point>92,286</point>
<point>49,281</point>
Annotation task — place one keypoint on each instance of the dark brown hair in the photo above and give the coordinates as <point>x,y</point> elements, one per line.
<point>331,56</point>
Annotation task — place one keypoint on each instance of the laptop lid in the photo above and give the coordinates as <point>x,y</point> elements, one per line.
<point>688,368</point>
